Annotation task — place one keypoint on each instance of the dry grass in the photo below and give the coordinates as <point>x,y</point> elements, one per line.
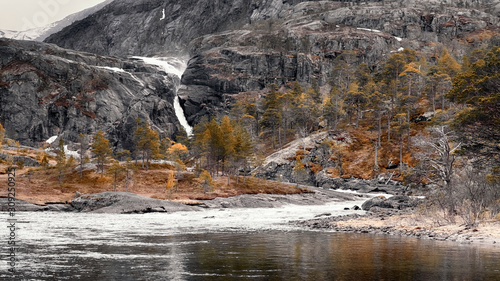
<point>44,185</point>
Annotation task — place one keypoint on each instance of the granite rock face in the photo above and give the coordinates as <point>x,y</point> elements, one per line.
<point>236,47</point>
<point>47,91</point>
<point>125,203</point>
<point>243,46</point>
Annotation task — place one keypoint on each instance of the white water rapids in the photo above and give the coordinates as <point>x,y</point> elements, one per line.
<point>175,66</point>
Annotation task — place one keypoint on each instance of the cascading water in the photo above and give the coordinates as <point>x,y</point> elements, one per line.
<point>176,67</point>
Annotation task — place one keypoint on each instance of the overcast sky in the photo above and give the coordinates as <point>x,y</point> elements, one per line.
<point>25,14</point>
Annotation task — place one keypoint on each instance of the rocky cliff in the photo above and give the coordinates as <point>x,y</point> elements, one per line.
<point>235,47</point>
<point>46,90</point>
<point>303,40</point>
<point>243,46</point>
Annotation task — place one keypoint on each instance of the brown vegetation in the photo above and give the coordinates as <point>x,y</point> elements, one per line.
<point>43,185</point>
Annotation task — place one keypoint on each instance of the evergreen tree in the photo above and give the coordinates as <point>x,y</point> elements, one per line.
<point>272,118</point>
<point>147,143</point>
<point>83,150</point>
<point>478,124</point>
<point>170,181</point>
<point>116,170</point>
<point>101,150</point>
<point>60,160</point>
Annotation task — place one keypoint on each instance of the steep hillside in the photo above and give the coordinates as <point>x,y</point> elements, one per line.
<point>47,91</point>
<point>243,46</point>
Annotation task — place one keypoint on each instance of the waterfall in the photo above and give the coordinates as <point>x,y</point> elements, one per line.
<point>176,67</point>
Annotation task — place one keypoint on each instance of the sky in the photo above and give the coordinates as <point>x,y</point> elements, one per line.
<point>21,15</point>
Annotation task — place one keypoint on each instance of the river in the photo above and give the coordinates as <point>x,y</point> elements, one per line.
<point>231,244</point>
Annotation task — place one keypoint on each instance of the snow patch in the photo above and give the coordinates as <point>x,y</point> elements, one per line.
<point>51,140</point>
<point>398,38</point>
<point>115,69</point>
<point>163,15</point>
<point>371,30</point>
<point>70,153</point>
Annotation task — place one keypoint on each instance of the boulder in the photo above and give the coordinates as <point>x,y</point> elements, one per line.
<point>125,203</point>
<point>398,202</point>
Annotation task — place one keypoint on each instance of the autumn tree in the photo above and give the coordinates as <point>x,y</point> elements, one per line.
<point>116,170</point>
<point>355,101</point>
<point>101,149</point>
<point>437,156</point>
<point>242,150</point>
<point>478,124</point>
<point>299,170</point>
<point>60,160</point>
<point>170,181</point>
<point>272,117</point>
<point>208,183</point>
<point>333,108</point>
<point>83,150</point>
<point>147,142</point>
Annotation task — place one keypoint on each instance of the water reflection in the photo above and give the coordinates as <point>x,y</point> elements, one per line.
<point>134,247</point>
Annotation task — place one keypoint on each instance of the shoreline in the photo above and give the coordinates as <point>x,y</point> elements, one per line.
<point>378,221</point>
<point>405,223</point>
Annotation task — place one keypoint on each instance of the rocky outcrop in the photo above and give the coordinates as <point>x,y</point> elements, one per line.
<point>24,160</point>
<point>47,91</point>
<point>302,41</point>
<point>23,206</point>
<point>146,27</point>
<point>398,202</point>
<point>235,47</point>
<point>315,196</point>
<point>315,154</point>
<point>125,203</point>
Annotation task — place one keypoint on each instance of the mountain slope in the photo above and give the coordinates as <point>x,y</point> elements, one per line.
<point>47,91</point>
<point>243,46</point>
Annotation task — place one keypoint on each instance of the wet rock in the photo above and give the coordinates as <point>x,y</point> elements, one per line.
<point>125,203</point>
<point>397,202</point>
<point>21,206</point>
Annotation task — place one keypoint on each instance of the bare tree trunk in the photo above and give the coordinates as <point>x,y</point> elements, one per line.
<point>379,128</point>
<point>401,167</point>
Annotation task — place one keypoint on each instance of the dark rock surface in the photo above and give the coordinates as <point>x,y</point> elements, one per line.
<point>27,161</point>
<point>243,46</point>
<point>47,91</point>
<point>125,203</point>
<point>23,206</point>
<point>279,166</point>
<point>318,197</point>
<point>398,202</point>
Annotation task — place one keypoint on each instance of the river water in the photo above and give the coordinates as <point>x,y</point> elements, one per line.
<point>230,244</point>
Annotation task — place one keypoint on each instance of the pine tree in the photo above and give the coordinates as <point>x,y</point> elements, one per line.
<point>355,100</point>
<point>60,160</point>
<point>170,181</point>
<point>446,64</point>
<point>410,73</point>
<point>116,170</point>
<point>147,143</point>
<point>208,184</point>
<point>272,117</point>
<point>478,124</point>
<point>83,149</point>
<point>101,150</point>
